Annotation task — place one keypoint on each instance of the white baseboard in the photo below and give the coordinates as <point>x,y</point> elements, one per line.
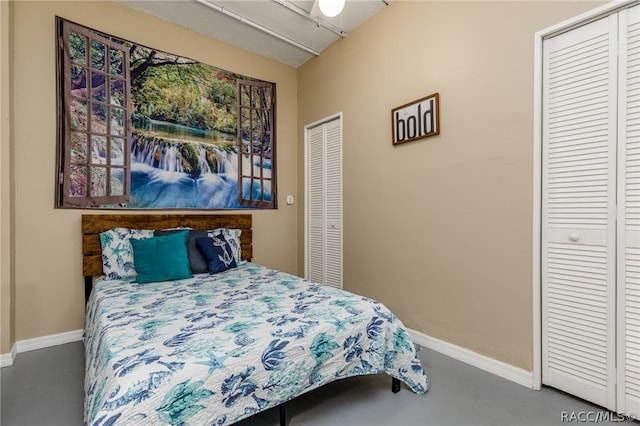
<point>499,368</point>
<point>39,343</point>
<point>6,360</point>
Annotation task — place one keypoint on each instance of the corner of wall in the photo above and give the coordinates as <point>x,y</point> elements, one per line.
<point>6,360</point>
<point>7,289</point>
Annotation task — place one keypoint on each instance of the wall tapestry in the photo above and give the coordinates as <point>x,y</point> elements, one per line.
<point>144,129</point>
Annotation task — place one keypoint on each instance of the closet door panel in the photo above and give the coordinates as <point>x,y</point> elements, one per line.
<point>578,218</point>
<point>315,251</point>
<point>333,197</point>
<point>629,214</point>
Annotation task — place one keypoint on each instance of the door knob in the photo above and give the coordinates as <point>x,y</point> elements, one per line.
<point>574,236</point>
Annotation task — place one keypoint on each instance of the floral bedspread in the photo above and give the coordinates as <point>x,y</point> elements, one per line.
<point>214,349</point>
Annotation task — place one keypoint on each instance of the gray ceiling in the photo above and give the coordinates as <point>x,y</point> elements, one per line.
<point>289,31</point>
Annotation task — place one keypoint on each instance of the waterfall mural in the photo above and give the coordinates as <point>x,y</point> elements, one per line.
<point>146,129</point>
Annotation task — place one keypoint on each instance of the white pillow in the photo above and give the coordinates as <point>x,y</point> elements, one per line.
<point>233,238</point>
<point>117,252</point>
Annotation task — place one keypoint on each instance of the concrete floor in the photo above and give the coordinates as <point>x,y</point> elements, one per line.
<point>45,387</point>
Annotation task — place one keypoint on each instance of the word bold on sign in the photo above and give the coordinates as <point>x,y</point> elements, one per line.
<point>416,120</point>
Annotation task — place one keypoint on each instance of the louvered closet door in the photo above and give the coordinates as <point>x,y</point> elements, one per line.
<point>323,153</point>
<point>315,250</point>
<point>578,217</point>
<point>333,203</point>
<point>629,214</point>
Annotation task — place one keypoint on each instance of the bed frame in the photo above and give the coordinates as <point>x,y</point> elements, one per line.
<point>94,224</point>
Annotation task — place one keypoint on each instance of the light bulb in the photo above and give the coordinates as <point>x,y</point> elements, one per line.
<point>331,8</point>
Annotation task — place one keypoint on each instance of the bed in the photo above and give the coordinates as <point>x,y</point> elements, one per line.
<point>215,348</point>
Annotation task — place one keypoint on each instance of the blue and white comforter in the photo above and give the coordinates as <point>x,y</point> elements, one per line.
<point>214,349</point>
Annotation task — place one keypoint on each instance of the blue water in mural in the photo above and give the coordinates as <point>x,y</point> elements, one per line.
<point>154,188</point>
<point>159,179</point>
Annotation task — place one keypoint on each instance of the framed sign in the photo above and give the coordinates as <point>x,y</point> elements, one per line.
<point>416,120</point>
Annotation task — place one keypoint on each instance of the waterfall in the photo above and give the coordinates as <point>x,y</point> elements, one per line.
<point>169,173</point>
<point>182,156</point>
<point>202,159</point>
<point>171,160</point>
<point>227,162</point>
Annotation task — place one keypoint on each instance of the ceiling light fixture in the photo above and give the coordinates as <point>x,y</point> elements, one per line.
<point>331,8</point>
<point>312,16</point>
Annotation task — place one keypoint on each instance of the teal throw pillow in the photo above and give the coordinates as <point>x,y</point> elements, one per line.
<point>161,258</point>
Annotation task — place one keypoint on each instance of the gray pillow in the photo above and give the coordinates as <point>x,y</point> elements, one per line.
<point>197,263</point>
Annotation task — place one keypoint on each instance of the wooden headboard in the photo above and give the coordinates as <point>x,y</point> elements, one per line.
<point>94,224</point>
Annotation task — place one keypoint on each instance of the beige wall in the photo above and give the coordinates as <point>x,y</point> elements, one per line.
<point>440,229</point>
<point>48,277</point>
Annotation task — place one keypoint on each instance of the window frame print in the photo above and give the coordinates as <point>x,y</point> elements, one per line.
<point>64,199</point>
<point>261,110</point>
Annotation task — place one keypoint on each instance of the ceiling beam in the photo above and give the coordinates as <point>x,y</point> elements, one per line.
<point>257,26</point>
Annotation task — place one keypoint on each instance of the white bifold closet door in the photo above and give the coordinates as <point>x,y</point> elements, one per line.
<point>590,200</point>
<point>323,183</point>
<point>579,201</point>
<point>629,214</point>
